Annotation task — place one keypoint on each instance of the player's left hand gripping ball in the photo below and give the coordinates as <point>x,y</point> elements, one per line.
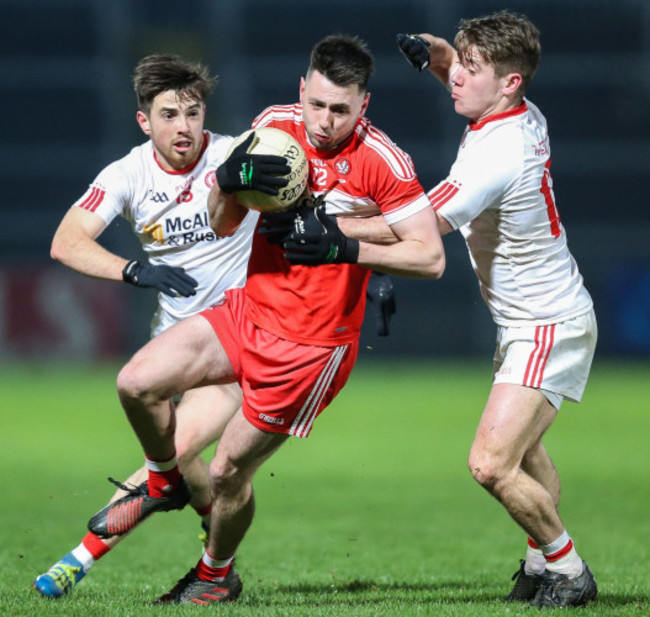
<point>243,170</point>
<point>316,239</point>
<point>266,168</point>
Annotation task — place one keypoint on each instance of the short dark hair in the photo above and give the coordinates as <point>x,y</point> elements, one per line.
<point>506,40</point>
<point>158,73</point>
<point>343,59</point>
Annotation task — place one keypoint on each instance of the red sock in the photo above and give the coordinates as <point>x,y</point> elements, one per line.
<point>163,476</point>
<point>95,546</point>
<point>203,510</point>
<point>209,569</point>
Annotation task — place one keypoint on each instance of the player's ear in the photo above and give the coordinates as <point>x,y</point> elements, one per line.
<point>513,82</point>
<point>364,105</point>
<point>302,88</point>
<point>143,121</point>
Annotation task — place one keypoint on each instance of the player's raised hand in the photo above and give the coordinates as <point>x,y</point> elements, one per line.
<point>243,171</point>
<point>170,280</point>
<point>415,50</point>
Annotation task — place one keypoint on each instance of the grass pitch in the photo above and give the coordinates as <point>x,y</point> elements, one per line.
<point>374,514</point>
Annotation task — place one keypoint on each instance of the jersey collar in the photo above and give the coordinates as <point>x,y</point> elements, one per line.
<point>516,111</point>
<point>190,167</point>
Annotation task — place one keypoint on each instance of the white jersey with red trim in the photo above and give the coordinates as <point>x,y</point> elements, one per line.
<point>168,213</point>
<point>366,175</point>
<point>499,193</point>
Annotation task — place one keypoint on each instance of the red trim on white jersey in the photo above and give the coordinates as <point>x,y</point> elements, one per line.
<point>523,108</point>
<point>306,416</point>
<point>190,167</point>
<point>442,193</point>
<point>94,199</point>
<point>544,336</point>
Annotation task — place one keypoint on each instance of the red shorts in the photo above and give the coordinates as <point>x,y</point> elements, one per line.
<point>286,385</point>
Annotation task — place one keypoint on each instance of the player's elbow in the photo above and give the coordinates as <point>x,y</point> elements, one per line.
<point>58,249</point>
<point>436,266</point>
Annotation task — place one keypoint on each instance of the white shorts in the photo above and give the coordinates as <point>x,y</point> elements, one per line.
<point>554,359</point>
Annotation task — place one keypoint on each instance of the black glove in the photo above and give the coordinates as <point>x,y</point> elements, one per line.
<point>415,50</point>
<point>278,226</point>
<point>171,281</point>
<point>381,297</point>
<point>242,171</point>
<point>316,239</point>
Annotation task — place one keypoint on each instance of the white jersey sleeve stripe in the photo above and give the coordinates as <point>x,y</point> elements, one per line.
<point>93,200</point>
<point>440,195</point>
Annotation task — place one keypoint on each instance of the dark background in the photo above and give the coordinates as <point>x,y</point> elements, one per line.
<point>69,110</point>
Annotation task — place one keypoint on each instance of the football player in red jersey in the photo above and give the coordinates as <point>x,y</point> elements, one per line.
<point>290,336</point>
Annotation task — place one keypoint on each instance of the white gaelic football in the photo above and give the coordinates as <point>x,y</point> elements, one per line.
<point>274,141</point>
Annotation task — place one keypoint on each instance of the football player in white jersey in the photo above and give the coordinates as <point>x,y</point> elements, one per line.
<point>499,194</point>
<point>161,188</point>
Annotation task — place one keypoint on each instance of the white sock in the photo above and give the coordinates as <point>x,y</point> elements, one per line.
<point>562,557</point>
<point>535,561</point>
<point>83,556</point>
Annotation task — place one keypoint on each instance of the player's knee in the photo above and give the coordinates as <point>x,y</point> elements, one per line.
<point>487,471</point>
<point>225,477</point>
<point>133,385</point>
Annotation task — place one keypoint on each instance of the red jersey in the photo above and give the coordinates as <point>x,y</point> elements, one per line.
<point>366,175</point>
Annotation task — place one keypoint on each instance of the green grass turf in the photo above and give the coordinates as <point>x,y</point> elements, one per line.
<point>374,514</point>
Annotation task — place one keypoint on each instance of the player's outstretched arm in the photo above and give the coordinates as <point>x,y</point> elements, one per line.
<point>309,236</point>
<point>430,52</point>
<point>75,245</point>
<point>418,253</point>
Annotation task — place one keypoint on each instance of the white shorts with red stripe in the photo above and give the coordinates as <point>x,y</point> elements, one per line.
<point>554,359</point>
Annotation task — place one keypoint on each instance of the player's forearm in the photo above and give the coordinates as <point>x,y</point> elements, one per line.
<point>372,229</point>
<point>75,245</point>
<point>419,252</point>
<point>226,214</point>
<point>410,258</point>
<point>88,257</point>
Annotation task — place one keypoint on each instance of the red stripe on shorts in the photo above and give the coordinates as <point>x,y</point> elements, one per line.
<point>544,336</point>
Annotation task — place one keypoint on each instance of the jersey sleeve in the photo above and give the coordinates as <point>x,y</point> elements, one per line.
<point>476,181</point>
<point>273,115</point>
<point>395,187</point>
<point>108,194</point>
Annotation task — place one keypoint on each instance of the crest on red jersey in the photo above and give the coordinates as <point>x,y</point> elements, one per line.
<point>342,166</point>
